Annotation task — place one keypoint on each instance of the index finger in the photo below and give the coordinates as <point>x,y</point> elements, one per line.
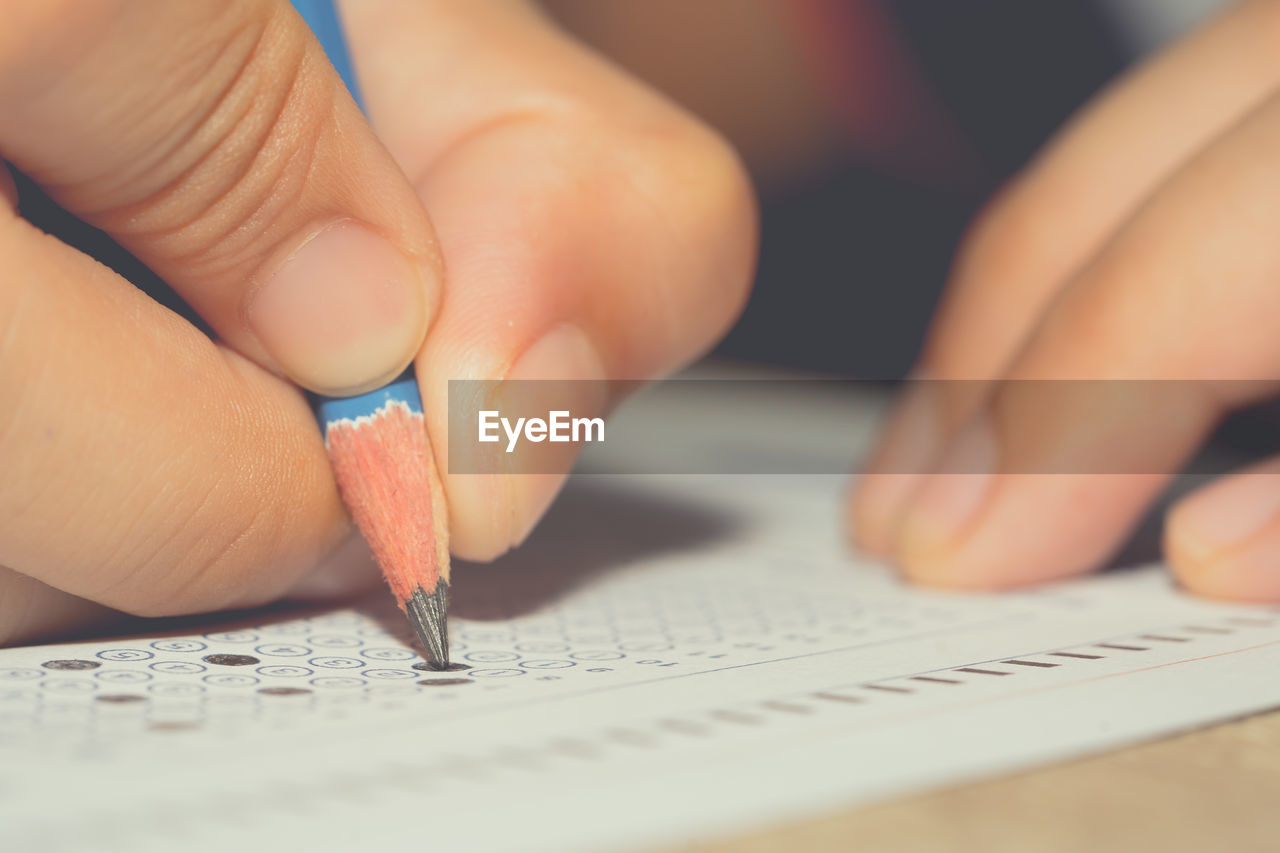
<point>1157,338</point>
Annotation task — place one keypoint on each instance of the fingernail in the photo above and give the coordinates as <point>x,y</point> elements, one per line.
<point>344,313</point>
<point>564,353</point>
<point>1225,515</point>
<point>949,500</point>
<point>910,442</point>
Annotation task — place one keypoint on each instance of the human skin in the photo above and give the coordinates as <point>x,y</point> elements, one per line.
<point>518,209</point>
<point>1139,245</point>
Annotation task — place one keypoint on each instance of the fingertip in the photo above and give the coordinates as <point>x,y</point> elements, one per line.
<point>926,555</point>
<point>345,313</point>
<point>858,532</point>
<point>907,447</point>
<point>949,505</point>
<point>1248,577</point>
<point>927,570</point>
<point>930,553</point>
<point>31,610</point>
<point>1222,540</point>
<point>492,513</point>
<point>941,573</point>
<point>479,516</point>
<point>1186,551</point>
<point>1030,529</point>
<point>873,508</point>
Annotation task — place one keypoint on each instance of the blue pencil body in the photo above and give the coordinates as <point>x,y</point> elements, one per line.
<point>322,18</point>
<point>403,390</point>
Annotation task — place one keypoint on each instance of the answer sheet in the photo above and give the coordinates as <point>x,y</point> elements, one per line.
<point>669,658</point>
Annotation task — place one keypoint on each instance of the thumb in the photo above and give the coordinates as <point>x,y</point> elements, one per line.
<point>215,141</point>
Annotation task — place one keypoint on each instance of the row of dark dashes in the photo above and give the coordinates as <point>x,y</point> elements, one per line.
<point>1096,651</point>
<point>862,694</point>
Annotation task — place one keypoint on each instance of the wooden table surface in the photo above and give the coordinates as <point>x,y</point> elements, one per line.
<point>1215,789</point>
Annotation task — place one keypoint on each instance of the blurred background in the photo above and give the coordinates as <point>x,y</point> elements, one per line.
<point>874,129</point>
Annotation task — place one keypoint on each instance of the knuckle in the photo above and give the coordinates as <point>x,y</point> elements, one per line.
<point>699,201</point>
<point>680,193</point>
<point>1002,243</point>
<point>692,166</point>
<point>723,212</point>
<point>208,197</point>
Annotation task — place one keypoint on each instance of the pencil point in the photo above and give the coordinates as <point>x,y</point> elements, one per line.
<point>429,615</point>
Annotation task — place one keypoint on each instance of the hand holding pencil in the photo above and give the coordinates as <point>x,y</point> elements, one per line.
<point>519,209</point>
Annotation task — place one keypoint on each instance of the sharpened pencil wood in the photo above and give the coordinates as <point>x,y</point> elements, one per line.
<point>428,614</point>
<point>382,462</point>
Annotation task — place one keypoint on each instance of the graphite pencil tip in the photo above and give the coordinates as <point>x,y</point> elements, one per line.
<point>429,615</point>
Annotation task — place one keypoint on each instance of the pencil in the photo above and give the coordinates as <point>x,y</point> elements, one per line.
<point>381,455</point>
<point>381,458</point>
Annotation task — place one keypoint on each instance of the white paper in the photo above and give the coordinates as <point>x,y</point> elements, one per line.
<point>669,658</point>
